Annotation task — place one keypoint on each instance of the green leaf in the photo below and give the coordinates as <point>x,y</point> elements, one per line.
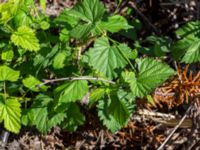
<point>56,119</point>
<point>22,18</point>
<point>151,74</point>
<point>128,52</point>
<point>67,19</point>
<point>48,119</point>
<point>59,60</point>
<point>80,31</point>
<point>104,115</point>
<point>105,58</point>
<point>187,49</point>
<point>193,53</point>
<point>74,118</point>
<point>189,30</point>
<point>44,25</point>
<point>7,54</point>
<point>40,118</point>
<point>89,13</point>
<point>120,110</point>
<point>25,37</point>
<point>7,11</point>
<point>8,74</point>
<point>89,10</point>
<point>115,24</point>
<point>31,83</point>
<point>10,114</point>
<point>96,95</point>
<point>64,35</point>
<point>72,91</point>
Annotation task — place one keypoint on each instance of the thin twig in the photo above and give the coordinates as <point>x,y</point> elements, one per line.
<point>46,81</point>
<point>175,128</point>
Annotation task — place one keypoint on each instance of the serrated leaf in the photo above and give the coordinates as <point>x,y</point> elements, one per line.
<point>40,121</point>
<point>80,31</point>
<point>193,53</point>
<point>189,30</point>
<point>10,114</point>
<point>56,119</point>
<point>41,117</point>
<point>7,54</point>
<point>7,11</point>
<point>89,13</point>
<point>96,95</point>
<point>31,83</point>
<point>107,119</point>
<point>72,91</point>
<point>74,118</point>
<point>66,19</point>
<point>89,10</point>
<point>105,58</point>
<point>127,51</point>
<point>151,74</point>
<point>120,110</point>
<point>8,74</point>
<point>25,37</point>
<point>115,24</point>
<point>187,49</point>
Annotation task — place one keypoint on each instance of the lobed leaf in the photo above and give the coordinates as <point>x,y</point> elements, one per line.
<point>151,74</point>
<point>105,58</point>
<point>25,37</point>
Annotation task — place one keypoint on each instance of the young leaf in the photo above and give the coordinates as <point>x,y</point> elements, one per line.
<point>8,74</point>
<point>10,114</point>
<point>7,11</point>
<point>31,83</point>
<point>74,118</point>
<point>115,24</point>
<point>25,38</point>
<point>7,54</point>
<point>72,91</point>
<point>151,74</point>
<point>105,58</point>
